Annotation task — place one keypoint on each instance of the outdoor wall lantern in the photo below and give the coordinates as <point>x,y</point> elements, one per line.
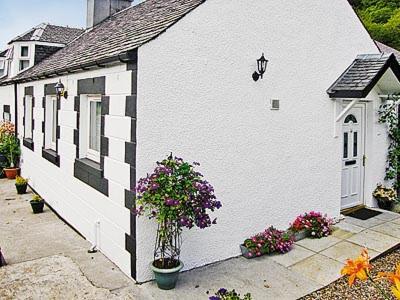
<point>262,66</point>
<point>60,90</point>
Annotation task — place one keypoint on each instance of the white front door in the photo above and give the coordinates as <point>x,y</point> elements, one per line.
<point>352,157</point>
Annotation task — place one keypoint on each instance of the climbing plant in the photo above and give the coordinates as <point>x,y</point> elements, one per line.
<point>388,114</point>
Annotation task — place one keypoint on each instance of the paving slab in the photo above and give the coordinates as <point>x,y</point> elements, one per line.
<point>262,277</point>
<point>397,221</point>
<point>374,240</point>
<point>318,245</point>
<point>388,228</point>
<point>341,234</point>
<point>319,268</point>
<point>388,216</point>
<point>345,250</point>
<point>364,223</point>
<point>347,226</point>
<point>54,277</point>
<point>297,254</point>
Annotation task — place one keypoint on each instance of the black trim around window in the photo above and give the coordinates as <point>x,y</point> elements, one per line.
<point>28,142</point>
<point>6,109</point>
<point>49,154</point>
<point>86,170</point>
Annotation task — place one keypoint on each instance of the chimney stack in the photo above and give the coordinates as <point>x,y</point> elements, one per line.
<point>99,10</point>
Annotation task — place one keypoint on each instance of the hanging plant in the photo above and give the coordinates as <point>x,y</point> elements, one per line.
<point>388,114</point>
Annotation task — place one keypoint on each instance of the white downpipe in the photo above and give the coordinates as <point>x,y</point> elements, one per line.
<point>96,230</point>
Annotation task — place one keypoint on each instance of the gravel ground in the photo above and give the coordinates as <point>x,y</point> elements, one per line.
<point>340,289</point>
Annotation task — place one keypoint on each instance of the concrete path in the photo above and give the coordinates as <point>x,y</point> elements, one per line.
<point>46,257</point>
<point>48,260</point>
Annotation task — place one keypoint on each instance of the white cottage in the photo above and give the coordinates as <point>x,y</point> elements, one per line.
<point>176,76</point>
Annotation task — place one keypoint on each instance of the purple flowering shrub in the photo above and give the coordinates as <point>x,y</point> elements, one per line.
<point>176,196</point>
<point>269,241</point>
<point>224,294</point>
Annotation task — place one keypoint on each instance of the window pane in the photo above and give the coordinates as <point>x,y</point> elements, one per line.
<point>355,143</point>
<point>24,51</point>
<point>23,64</point>
<point>350,118</point>
<point>95,121</point>
<point>345,145</point>
<point>54,122</point>
<point>28,118</point>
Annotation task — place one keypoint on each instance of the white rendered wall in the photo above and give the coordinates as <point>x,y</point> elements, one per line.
<point>7,98</point>
<point>197,99</point>
<point>76,202</point>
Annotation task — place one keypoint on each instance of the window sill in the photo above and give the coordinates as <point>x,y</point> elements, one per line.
<point>51,156</point>
<point>90,172</point>
<point>28,143</point>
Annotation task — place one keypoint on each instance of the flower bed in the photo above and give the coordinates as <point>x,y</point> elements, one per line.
<point>312,224</point>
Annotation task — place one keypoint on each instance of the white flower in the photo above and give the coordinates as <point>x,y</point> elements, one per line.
<point>313,233</point>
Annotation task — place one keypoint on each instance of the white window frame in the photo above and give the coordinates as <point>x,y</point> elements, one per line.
<point>20,62</point>
<point>51,123</point>
<point>7,116</point>
<point>20,52</point>
<point>28,132</point>
<point>90,153</point>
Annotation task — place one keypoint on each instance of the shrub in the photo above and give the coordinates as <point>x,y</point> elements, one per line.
<point>384,193</point>
<point>37,198</point>
<point>269,241</point>
<point>314,223</point>
<point>224,294</point>
<point>21,180</point>
<point>9,147</point>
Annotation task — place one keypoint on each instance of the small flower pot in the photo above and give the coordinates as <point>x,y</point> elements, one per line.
<point>21,189</point>
<point>166,279</point>
<point>246,252</point>
<point>37,206</point>
<point>384,204</point>
<point>11,173</point>
<point>300,235</point>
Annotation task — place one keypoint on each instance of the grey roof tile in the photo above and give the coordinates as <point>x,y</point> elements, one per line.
<point>362,75</point>
<point>386,49</point>
<point>126,30</point>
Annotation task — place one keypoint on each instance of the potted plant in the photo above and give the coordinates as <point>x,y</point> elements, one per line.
<point>267,242</point>
<point>385,196</point>
<point>21,184</point>
<point>176,197</point>
<point>10,148</point>
<point>312,224</point>
<point>37,204</point>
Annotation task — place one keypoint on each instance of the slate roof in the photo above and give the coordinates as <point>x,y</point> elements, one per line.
<point>49,33</point>
<point>108,41</point>
<point>362,75</point>
<point>3,53</point>
<point>386,49</point>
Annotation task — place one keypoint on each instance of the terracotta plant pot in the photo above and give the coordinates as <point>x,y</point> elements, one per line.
<point>21,189</point>
<point>37,206</point>
<point>11,173</point>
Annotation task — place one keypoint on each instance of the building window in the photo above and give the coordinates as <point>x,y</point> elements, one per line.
<point>23,64</point>
<point>6,113</point>
<point>28,117</point>
<point>93,135</point>
<point>51,123</point>
<point>24,51</point>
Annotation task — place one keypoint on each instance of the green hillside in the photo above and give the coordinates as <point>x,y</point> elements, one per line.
<point>382,19</point>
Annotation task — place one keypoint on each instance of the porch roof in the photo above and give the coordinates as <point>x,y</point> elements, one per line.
<point>363,74</point>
